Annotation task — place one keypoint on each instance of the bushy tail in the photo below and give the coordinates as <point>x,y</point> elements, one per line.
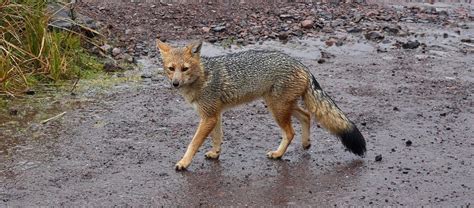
<point>333,119</point>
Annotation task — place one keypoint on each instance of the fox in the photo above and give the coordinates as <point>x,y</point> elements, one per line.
<point>213,85</point>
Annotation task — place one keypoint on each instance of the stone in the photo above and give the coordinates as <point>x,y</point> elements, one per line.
<point>128,58</point>
<point>116,51</point>
<point>286,16</point>
<point>374,36</point>
<point>330,42</point>
<point>218,28</point>
<point>307,24</point>
<point>206,29</point>
<point>354,30</point>
<point>106,48</point>
<point>112,66</point>
<point>378,158</point>
<point>283,36</point>
<point>411,44</point>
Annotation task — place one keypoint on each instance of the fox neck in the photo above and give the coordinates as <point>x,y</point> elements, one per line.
<point>192,91</point>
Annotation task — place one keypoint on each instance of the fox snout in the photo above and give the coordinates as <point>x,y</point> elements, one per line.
<point>176,79</point>
<point>175,83</point>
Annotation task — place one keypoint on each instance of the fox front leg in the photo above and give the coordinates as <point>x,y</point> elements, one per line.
<point>206,125</point>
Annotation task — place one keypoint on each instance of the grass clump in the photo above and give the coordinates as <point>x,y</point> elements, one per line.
<point>31,53</point>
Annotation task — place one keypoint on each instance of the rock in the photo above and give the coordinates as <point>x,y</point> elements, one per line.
<point>255,30</point>
<point>358,18</point>
<point>445,35</point>
<point>408,143</point>
<point>116,51</point>
<point>396,109</point>
<point>206,29</point>
<point>374,36</point>
<point>112,66</point>
<point>146,76</point>
<point>392,29</point>
<point>61,16</point>
<point>85,21</point>
<point>411,44</point>
<point>327,55</point>
<point>220,28</point>
<point>283,36</point>
<point>330,42</point>
<point>467,40</point>
<point>378,158</point>
<point>327,29</point>
<point>420,57</point>
<point>106,48</point>
<point>321,61</point>
<point>13,112</point>
<point>128,58</point>
<point>354,30</point>
<point>286,16</point>
<point>307,24</point>
<point>212,39</point>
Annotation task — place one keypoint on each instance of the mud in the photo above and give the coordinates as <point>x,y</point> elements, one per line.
<point>117,146</point>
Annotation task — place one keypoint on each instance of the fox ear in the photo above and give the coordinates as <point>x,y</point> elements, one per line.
<point>194,48</point>
<point>164,48</point>
<point>198,46</point>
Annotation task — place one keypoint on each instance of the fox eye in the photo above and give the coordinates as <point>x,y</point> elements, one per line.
<point>171,68</point>
<point>185,69</point>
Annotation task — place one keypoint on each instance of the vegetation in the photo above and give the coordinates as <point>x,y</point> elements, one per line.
<point>30,53</point>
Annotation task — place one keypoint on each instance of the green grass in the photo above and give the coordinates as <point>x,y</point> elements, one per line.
<point>30,53</point>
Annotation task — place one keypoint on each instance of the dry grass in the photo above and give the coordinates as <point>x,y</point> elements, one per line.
<point>29,52</point>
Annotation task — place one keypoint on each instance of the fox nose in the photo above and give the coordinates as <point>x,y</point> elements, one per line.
<point>175,83</point>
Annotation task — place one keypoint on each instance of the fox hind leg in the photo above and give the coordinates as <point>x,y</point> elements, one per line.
<point>216,136</point>
<point>282,112</point>
<point>305,120</point>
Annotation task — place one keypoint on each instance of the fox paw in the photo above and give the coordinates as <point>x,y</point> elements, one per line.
<point>274,155</point>
<point>181,166</point>
<point>306,145</point>
<point>212,155</point>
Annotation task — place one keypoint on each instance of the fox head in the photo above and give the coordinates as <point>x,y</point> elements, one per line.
<point>181,65</point>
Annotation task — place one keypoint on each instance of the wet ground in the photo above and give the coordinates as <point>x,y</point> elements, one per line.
<point>118,145</point>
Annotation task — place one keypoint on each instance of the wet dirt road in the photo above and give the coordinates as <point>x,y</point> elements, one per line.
<point>415,109</point>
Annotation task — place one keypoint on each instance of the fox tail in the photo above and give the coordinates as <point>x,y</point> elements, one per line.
<point>330,116</point>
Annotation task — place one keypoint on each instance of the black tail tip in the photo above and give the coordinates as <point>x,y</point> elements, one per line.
<point>354,141</point>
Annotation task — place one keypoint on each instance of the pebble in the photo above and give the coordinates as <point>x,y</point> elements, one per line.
<point>411,44</point>
<point>13,112</point>
<point>116,51</point>
<point>378,158</point>
<point>408,143</point>
<point>206,29</point>
<point>283,35</point>
<point>106,48</point>
<point>374,36</point>
<point>330,41</point>
<point>354,30</point>
<point>307,24</point>
<point>219,28</point>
